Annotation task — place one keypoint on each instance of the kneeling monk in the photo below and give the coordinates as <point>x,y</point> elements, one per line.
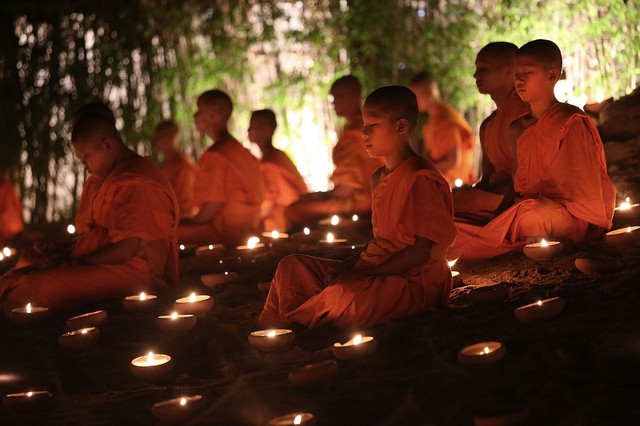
<point>403,270</point>
<point>126,223</point>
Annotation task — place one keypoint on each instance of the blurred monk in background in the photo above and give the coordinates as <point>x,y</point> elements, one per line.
<point>447,136</point>
<point>284,184</point>
<point>229,187</point>
<point>403,270</point>
<point>178,168</point>
<point>10,211</point>
<point>126,223</point>
<point>351,191</point>
<point>563,190</point>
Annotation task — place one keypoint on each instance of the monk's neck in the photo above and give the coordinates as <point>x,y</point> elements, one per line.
<point>501,97</point>
<point>539,107</point>
<point>396,158</point>
<point>354,121</point>
<point>220,135</point>
<point>267,149</point>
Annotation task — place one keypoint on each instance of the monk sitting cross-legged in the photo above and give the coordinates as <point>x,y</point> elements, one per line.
<point>179,169</point>
<point>403,270</point>
<point>353,167</point>
<point>560,174</point>
<point>126,223</point>
<point>229,187</point>
<point>284,183</point>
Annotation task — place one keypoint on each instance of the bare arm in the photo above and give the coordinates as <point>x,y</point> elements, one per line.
<point>114,253</point>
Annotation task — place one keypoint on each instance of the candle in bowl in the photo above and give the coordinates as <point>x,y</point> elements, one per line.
<point>253,244</point>
<point>26,400</point>
<point>314,373</point>
<point>294,419</point>
<point>626,206</point>
<point>333,220</point>
<point>7,252</point>
<point>275,235</point>
<point>357,347</point>
<point>541,309</point>
<point>457,278</point>
<point>482,353</point>
<point>29,313</point>
<point>213,280</point>
<point>331,239</point>
<point>176,323</point>
<point>209,250</point>
<point>595,265</point>
<point>177,409</point>
<point>139,302</point>
<point>197,304</point>
<point>542,250</point>
<point>79,339</point>
<point>151,366</point>
<point>623,236</point>
<point>271,340</point>
<point>90,319</point>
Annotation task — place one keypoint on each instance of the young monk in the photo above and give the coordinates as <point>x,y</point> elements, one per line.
<point>283,181</point>
<point>178,168</point>
<point>10,211</point>
<point>494,77</point>
<point>447,136</point>
<point>560,169</point>
<point>403,270</point>
<point>229,187</point>
<point>353,167</point>
<point>126,223</point>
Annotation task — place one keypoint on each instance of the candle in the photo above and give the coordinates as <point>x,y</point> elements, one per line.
<point>306,231</point>
<point>482,353</point>
<point>209,250</point>
<point>71,229</point>
<point>177,323</point>
<point>79,339</point>
<point>139,302</point>
<point>151,366</point>
<point>264,286</point>
<point>626,205</point>
<point>306,419</point>
<point>26,400</point>
<point>271,340</point>
<point>29,313</point>
<point>213,280</point>
<point>7,252</point>
<point>597,265</point>
<point>275,235</point>
<point>197,304</point>
<point>357,347</point>
<point>314,373</point>
<point>354,218</point>
<point>542,250</point>
<point>331,239</point>
<point>623,236</point>
<point>182,247</point>
<point>90,319</point>
<point>177,409</point>
<point>335,220</point>
<point>457,278</point>
<point>541,309</point>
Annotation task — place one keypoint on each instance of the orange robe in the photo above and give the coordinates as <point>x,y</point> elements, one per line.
<point>446,130</point>
<point>10,211</point>
<point>229,174</point>
<point>284,185</point>
<point>133,201</point>
<point>411,201</point>
<point>181,174</point>
<point>561,178</point>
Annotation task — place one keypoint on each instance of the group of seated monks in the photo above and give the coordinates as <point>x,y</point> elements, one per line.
<point>543,174</point>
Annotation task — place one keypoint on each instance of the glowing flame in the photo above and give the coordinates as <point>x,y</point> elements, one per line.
<point>1,256</point>
<point>628,229</point>
<point>210,246</point>
<point>6,251</point>
<point>28,308</point>
<point>192,297</point>
<point>335,219</point>
<point>174,315</point>
<point>71,229</point>
<point>357,340</point>
<point>252,242</point>
<point>452,262</point>
<point>486,350</point>
<point>539,302</point>
<point>182,247</point>
<point>143,296</point>
<point>183,401</point>
<point>84,331</point>
<point>271,333</point>
<point>458,183</point>
<point>330,237</point>
<point>226,273</point>
<point>275,234</point>
<point>150,358</point>
<point>29,394</point>
<point>306,231</point>
<point>354,217</point>
<point>297,420</point>
<point>544,243</point>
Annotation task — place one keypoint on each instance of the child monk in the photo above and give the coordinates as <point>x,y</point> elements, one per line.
<point>494,77</point>
<point>447,136</point>
<point>229,187</point>
<point>178,168</point>
<point>560,169</point>
<point>10,211</point>
<point>126,223</point>
<point>283,181</point>
<point>353,167</point>
<point>403,270</point>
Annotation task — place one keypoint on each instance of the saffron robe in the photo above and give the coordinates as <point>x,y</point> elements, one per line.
<point>563,186</point>
<point>133,201</point>
<point>181,174</point>
<point>229,174</point>
<point>10,211</point>
<point>412,201</point>
<point>284,185</point>
<point>447,130</point>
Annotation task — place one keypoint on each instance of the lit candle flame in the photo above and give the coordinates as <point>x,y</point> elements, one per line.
<point>275,234</point>
<point>458,183</point>
<point>271,333</point>
<point>452,262</point>
<point>330,237</point>
<point>629,230</point>
<point>174,315</point>
<point>226,273</point>
<point>192,298</point>
<point>183,401</point>
<point>357,340</point>
<point>71,229</point>
<point>143,296</point>
<point>306,231</point>
<point>297,420</point>
<point>354,217</point>
<point>28,308</point>
<point>252,242</point>
<point>544,243</point>
<point>150,358</point>
<point>539,302</point>
<point>182,247</point>
<point>210,246</point>
<point>29,394</point>
<point>486,350</point>
<point>84,331</point>
<point>335,219</point>
<point>6,251</point>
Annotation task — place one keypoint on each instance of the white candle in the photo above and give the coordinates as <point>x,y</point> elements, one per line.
<point>357,347</point>
<point>542,250</point>
<point>194,304</point>
<point>623,236</point>
<point>294,419</point>
<point>139,302</point>
<point>541,309</point>
<point>176,322</point>
<point>90,319</point>
<point>176,410</point>
<point>482,353</point>
<point>335,219</point>
<point>79,339</point>
<point>151,366</point>
<point>271,340</point>
<point>29,313</point>
<point>29,400</point>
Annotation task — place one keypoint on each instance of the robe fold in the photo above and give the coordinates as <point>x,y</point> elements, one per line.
<point>133,201</point>
<point>10,211</point>
<point>284,185</point>
<point>229,174</point>
<point>561,178</point>
<point>447,130</point>
<point>412,201</point>
<point>181,174</point>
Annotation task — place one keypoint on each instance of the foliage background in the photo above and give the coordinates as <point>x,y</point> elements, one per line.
<point>149,59</point>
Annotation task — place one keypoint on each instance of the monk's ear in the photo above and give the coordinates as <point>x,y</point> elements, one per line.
<point>403,126</point>
<point>554,74</point>
<point>108,143</point>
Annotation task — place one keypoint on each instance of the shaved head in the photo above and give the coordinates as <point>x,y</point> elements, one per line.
<point>94,108</point>
<point>396,101</point>
<point>423,78</point>
<point>348,84</point>
<point>267,115</point>
<point>169,127</point>
<point>93,125</point>
<point>218,100</point>
<point>500,51</point>
<point>544,52</point>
